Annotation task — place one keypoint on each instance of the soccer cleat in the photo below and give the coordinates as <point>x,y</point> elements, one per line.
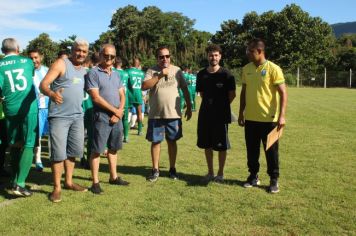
<point>273,187</point>
<point>153,177</point>
<point>21,192</point>
<point>173,173</point>
<point>252,181</point>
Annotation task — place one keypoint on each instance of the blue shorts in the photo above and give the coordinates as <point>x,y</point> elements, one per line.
<point>43,121</point>
<point>159,128</point>
<point>106,134</point>
<point>67,137</point>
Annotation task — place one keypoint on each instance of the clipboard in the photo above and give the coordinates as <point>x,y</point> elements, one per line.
<point>273,136</point>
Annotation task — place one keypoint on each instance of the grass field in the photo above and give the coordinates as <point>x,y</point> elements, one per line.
<point>318,187</point>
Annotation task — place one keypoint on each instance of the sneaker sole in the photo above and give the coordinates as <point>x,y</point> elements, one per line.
<point>247,185</point>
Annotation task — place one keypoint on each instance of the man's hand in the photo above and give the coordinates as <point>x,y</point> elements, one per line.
<point>114,119</point>
<point>119,113</point>
<point>241,120</point>
<point>57,96</point>
<point>281,122</point>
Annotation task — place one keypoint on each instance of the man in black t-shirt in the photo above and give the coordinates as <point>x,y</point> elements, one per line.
<point>216,86</point>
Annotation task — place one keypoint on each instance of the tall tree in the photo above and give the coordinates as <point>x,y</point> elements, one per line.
<point>292,36</point>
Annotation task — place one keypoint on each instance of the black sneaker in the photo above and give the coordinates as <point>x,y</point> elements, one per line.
<point>21,192</point>
<point>96,189</point>
<point>252,181</point>
<point>273,186</point>
<point>173,173</point>
<point>118,181</point>
<point>154,175</point>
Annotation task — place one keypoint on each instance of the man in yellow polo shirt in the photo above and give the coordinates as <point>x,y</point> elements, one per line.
<point>263,102</point>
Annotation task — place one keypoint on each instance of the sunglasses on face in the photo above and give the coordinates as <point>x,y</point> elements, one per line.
<point>109,57</point>
<point>164,56</point>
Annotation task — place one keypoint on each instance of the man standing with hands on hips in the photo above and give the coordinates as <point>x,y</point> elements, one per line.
<point>164,118</point>
<point>263,104</point>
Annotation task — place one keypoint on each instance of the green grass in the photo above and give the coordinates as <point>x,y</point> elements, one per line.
<point>318,189</point>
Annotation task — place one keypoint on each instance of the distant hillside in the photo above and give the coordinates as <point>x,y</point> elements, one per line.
<point>343,28</point>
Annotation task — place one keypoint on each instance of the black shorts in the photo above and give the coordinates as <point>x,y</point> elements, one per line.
<point>214,136</point>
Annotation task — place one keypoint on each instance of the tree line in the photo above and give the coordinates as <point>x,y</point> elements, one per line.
<point>293,38</point>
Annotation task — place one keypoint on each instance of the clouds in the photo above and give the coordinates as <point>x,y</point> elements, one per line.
<point>14,14</point>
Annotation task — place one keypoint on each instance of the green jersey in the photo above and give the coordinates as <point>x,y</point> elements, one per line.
<point>87,102</point>
<point>124,77</point>
<point>136,76</point>
<point>16,85</point>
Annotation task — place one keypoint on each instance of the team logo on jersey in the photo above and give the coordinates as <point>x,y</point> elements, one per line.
<point>76,80</point>
<point>263,72</point>
<point>219,85</point>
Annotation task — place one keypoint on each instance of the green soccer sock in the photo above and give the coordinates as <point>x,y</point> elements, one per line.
<point>140,126</point>
<point>25,166</point>
<point>126,128</point>
<point>15,159</point>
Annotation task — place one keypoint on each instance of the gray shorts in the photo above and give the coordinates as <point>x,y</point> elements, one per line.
<point>67,137</point>
<point>105,134</point>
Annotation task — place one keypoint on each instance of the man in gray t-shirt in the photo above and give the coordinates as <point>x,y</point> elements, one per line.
<point>107,92</point>
<point>164,118</point>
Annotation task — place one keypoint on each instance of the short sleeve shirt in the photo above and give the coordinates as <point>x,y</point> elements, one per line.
<point>262,99</point>
<point>164,97</point>
<point>108,86</point>
<point>215,87</point>
<point>16,85</point>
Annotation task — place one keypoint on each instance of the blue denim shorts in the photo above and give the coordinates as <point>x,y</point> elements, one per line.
<point>159,128</point>
<point>67,137</point>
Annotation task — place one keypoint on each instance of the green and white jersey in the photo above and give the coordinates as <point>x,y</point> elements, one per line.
<point>124,77</point>
<point>87,102</point>
<point>16,85</point>
<point>193,79</point>
<point>136,76</point>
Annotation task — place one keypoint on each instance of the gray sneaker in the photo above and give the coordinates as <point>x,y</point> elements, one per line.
<point>273,187</point>
<point>154,175</point>
<point>252,181</point>
<point>219,179</point>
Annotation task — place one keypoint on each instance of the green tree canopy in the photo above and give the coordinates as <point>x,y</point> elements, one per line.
<point>293,38</point>
<point>46,46</point>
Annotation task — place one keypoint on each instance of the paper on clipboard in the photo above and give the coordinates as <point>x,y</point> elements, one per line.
<point>273,136</point>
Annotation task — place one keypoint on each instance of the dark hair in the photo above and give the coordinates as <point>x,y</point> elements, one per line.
<point>213,48</point>
<point>160,49</point>
<point>62,52</point>
<point>257,43</point>
<point>34,50</point>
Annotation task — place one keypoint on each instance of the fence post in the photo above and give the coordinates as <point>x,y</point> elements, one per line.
<point>324,77</point>
<point>298,77</point>
<point>350,78</point>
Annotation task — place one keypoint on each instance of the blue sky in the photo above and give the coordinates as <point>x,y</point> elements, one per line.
<point>26,19</point>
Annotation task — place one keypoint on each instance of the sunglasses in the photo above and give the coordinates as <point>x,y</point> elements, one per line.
<point>164,56</point>
<point>109,57</point>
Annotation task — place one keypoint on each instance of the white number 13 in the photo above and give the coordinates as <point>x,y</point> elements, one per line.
<point>19,76</point>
